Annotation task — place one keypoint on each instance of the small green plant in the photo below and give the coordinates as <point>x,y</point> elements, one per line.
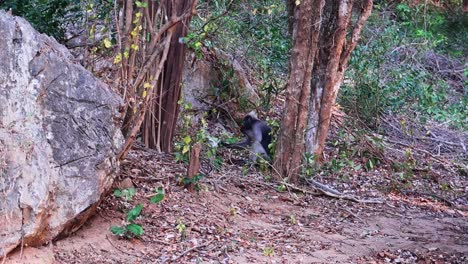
<point>194,180</point>
<point>268,252</point>
<point>281,188</point>
<point>159,196</point>
<point>130,230</point>
<point>310,167</point>
<point>126,194</point>
<point>190,136</point>
<point>182,228</point>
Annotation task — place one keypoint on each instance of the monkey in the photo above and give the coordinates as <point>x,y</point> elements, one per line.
<point>257,137</point>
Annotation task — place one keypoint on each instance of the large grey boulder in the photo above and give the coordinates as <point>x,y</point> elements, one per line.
<point>58,138</point>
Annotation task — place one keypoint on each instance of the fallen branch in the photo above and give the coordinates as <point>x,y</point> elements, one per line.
<point>328,191</point>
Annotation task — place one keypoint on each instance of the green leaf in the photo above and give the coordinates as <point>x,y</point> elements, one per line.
<point>185,149</point>
<point>187,139</point>
<point>141,4</point>
<point>281,188</point>
<point>117,193</point>
<point>117,230</point>
<point>181,227</point>
<point>159,196</point>
<point>134,213</point>
<point>135,229</point>
<point>126,194</point>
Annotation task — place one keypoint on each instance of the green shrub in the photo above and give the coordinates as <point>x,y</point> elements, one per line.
<point>388,70</point>
<point>47,16</point>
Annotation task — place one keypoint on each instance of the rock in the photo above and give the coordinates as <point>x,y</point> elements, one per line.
<point>126,183</point>
<point>58,138</point>
<point>197,81</point>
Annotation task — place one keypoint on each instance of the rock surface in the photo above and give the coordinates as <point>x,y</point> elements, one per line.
<point>58,138</point>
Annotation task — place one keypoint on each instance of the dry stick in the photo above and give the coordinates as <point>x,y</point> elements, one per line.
<point>191,249</point>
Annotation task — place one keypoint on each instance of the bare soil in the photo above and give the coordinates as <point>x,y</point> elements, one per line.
<point>237,218</point>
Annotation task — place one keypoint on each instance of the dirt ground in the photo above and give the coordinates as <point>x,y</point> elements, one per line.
<point>236,218</point>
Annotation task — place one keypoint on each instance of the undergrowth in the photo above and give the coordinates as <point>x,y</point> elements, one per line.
<point>390,70</point>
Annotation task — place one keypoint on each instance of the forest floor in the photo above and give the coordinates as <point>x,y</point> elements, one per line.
<point>238,218</point>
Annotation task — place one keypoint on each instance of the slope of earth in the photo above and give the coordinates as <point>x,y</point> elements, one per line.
<point>244,219</point>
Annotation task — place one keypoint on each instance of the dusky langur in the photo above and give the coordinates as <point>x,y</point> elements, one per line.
<point>257,137</point>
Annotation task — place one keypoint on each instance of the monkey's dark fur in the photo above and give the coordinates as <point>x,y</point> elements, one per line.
<point>257,137</point>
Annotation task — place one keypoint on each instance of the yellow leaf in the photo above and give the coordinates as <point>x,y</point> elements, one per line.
<point>144,94</point>
<point>134,47</point>
<point>134,110</point>
<point>107,43</point>
<point>254,11</point>
<point>118,58</point>
<point>269,11</point>
<point>187,139</point>
<point>185,149</point>
<point>126,54</point>
<point>298,2</point>
<point>147,85</point>
<point>92,30</point>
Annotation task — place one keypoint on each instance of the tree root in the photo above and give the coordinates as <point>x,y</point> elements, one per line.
<point>328,191</point>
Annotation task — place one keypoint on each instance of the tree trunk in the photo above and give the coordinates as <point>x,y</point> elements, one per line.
<point>335,51</point>
<point>306,29</point>
<point>321,49</point>
<point>151,68</point>
<point>160,122</point>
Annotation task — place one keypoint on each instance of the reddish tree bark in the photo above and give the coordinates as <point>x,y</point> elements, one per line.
<point>306,29</point>
<point>151,72</point>
<point>160,122</point>
<point>333,59</point>
<point>320,53</point>
<point>194,165</point>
